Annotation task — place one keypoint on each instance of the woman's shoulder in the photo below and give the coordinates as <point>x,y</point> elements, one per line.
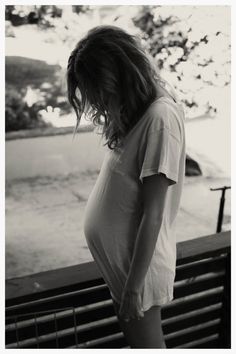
<point>165,114</point>
<point>161,113</point>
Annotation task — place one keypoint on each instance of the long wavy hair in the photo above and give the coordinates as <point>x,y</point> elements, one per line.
<point>111,80</point>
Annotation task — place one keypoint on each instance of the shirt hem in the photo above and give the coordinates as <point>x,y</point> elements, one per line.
<point>157,302</point>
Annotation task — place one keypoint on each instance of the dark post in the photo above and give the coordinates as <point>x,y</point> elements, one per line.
<point>221,208</point>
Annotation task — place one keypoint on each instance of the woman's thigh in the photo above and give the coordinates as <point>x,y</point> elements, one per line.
<point>145,332</point>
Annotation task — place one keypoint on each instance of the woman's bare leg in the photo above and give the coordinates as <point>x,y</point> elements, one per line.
<point>145,332</point>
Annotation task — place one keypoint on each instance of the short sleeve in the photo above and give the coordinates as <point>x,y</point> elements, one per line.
<point>160,154</point>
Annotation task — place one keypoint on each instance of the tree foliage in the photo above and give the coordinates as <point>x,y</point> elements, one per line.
<point>31,85</point>
<point>191,48</point>
<point>18,114</point>
<point>42,15</point>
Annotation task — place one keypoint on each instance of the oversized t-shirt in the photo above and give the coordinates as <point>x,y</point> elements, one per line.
<point>156,144</point>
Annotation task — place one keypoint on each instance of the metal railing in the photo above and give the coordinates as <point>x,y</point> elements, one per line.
<point>72,307</point>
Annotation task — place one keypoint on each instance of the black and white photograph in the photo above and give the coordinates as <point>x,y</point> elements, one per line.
<point>117,185</point>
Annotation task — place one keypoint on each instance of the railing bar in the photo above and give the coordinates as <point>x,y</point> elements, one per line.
<point>198,341</point>
<point>36,330</point>
<point>28,322</point>
<point>56,329</point>
<point>56,297</point>
<point>185,316</point>
<point>75,327</point>
<point>199,278</point>
<point>205,258</point>
<point>59,310</point>
<point>17,333</point>
<point>39,312</point>
<point>210,274</point>
<point>202,262</point>
<point>101,340</point>
<point>193,328</point>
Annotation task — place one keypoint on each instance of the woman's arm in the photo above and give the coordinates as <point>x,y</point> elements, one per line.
<point>154,196</point>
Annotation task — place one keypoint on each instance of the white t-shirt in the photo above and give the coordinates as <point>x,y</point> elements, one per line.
<point>156,144</point>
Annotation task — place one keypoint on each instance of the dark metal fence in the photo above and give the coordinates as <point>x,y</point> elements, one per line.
<point>72,308</point>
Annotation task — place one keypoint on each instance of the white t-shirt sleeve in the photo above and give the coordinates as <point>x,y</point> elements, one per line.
<point>162,148</point>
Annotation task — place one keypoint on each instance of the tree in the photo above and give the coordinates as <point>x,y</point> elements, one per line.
<point>191,47</point>
<point>42,15</point>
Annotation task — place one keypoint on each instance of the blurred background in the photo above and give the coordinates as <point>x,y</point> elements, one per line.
<point>49,176</point>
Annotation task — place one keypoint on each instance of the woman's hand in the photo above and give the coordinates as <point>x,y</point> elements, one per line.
<point>131,305</point>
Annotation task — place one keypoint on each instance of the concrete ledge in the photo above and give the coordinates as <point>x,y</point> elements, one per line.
<point>50,131</point>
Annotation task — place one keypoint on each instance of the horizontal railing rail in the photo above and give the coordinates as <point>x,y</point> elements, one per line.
<point>72,307</point>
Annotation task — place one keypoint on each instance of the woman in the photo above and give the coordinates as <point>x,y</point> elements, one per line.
<point>129,217</point>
